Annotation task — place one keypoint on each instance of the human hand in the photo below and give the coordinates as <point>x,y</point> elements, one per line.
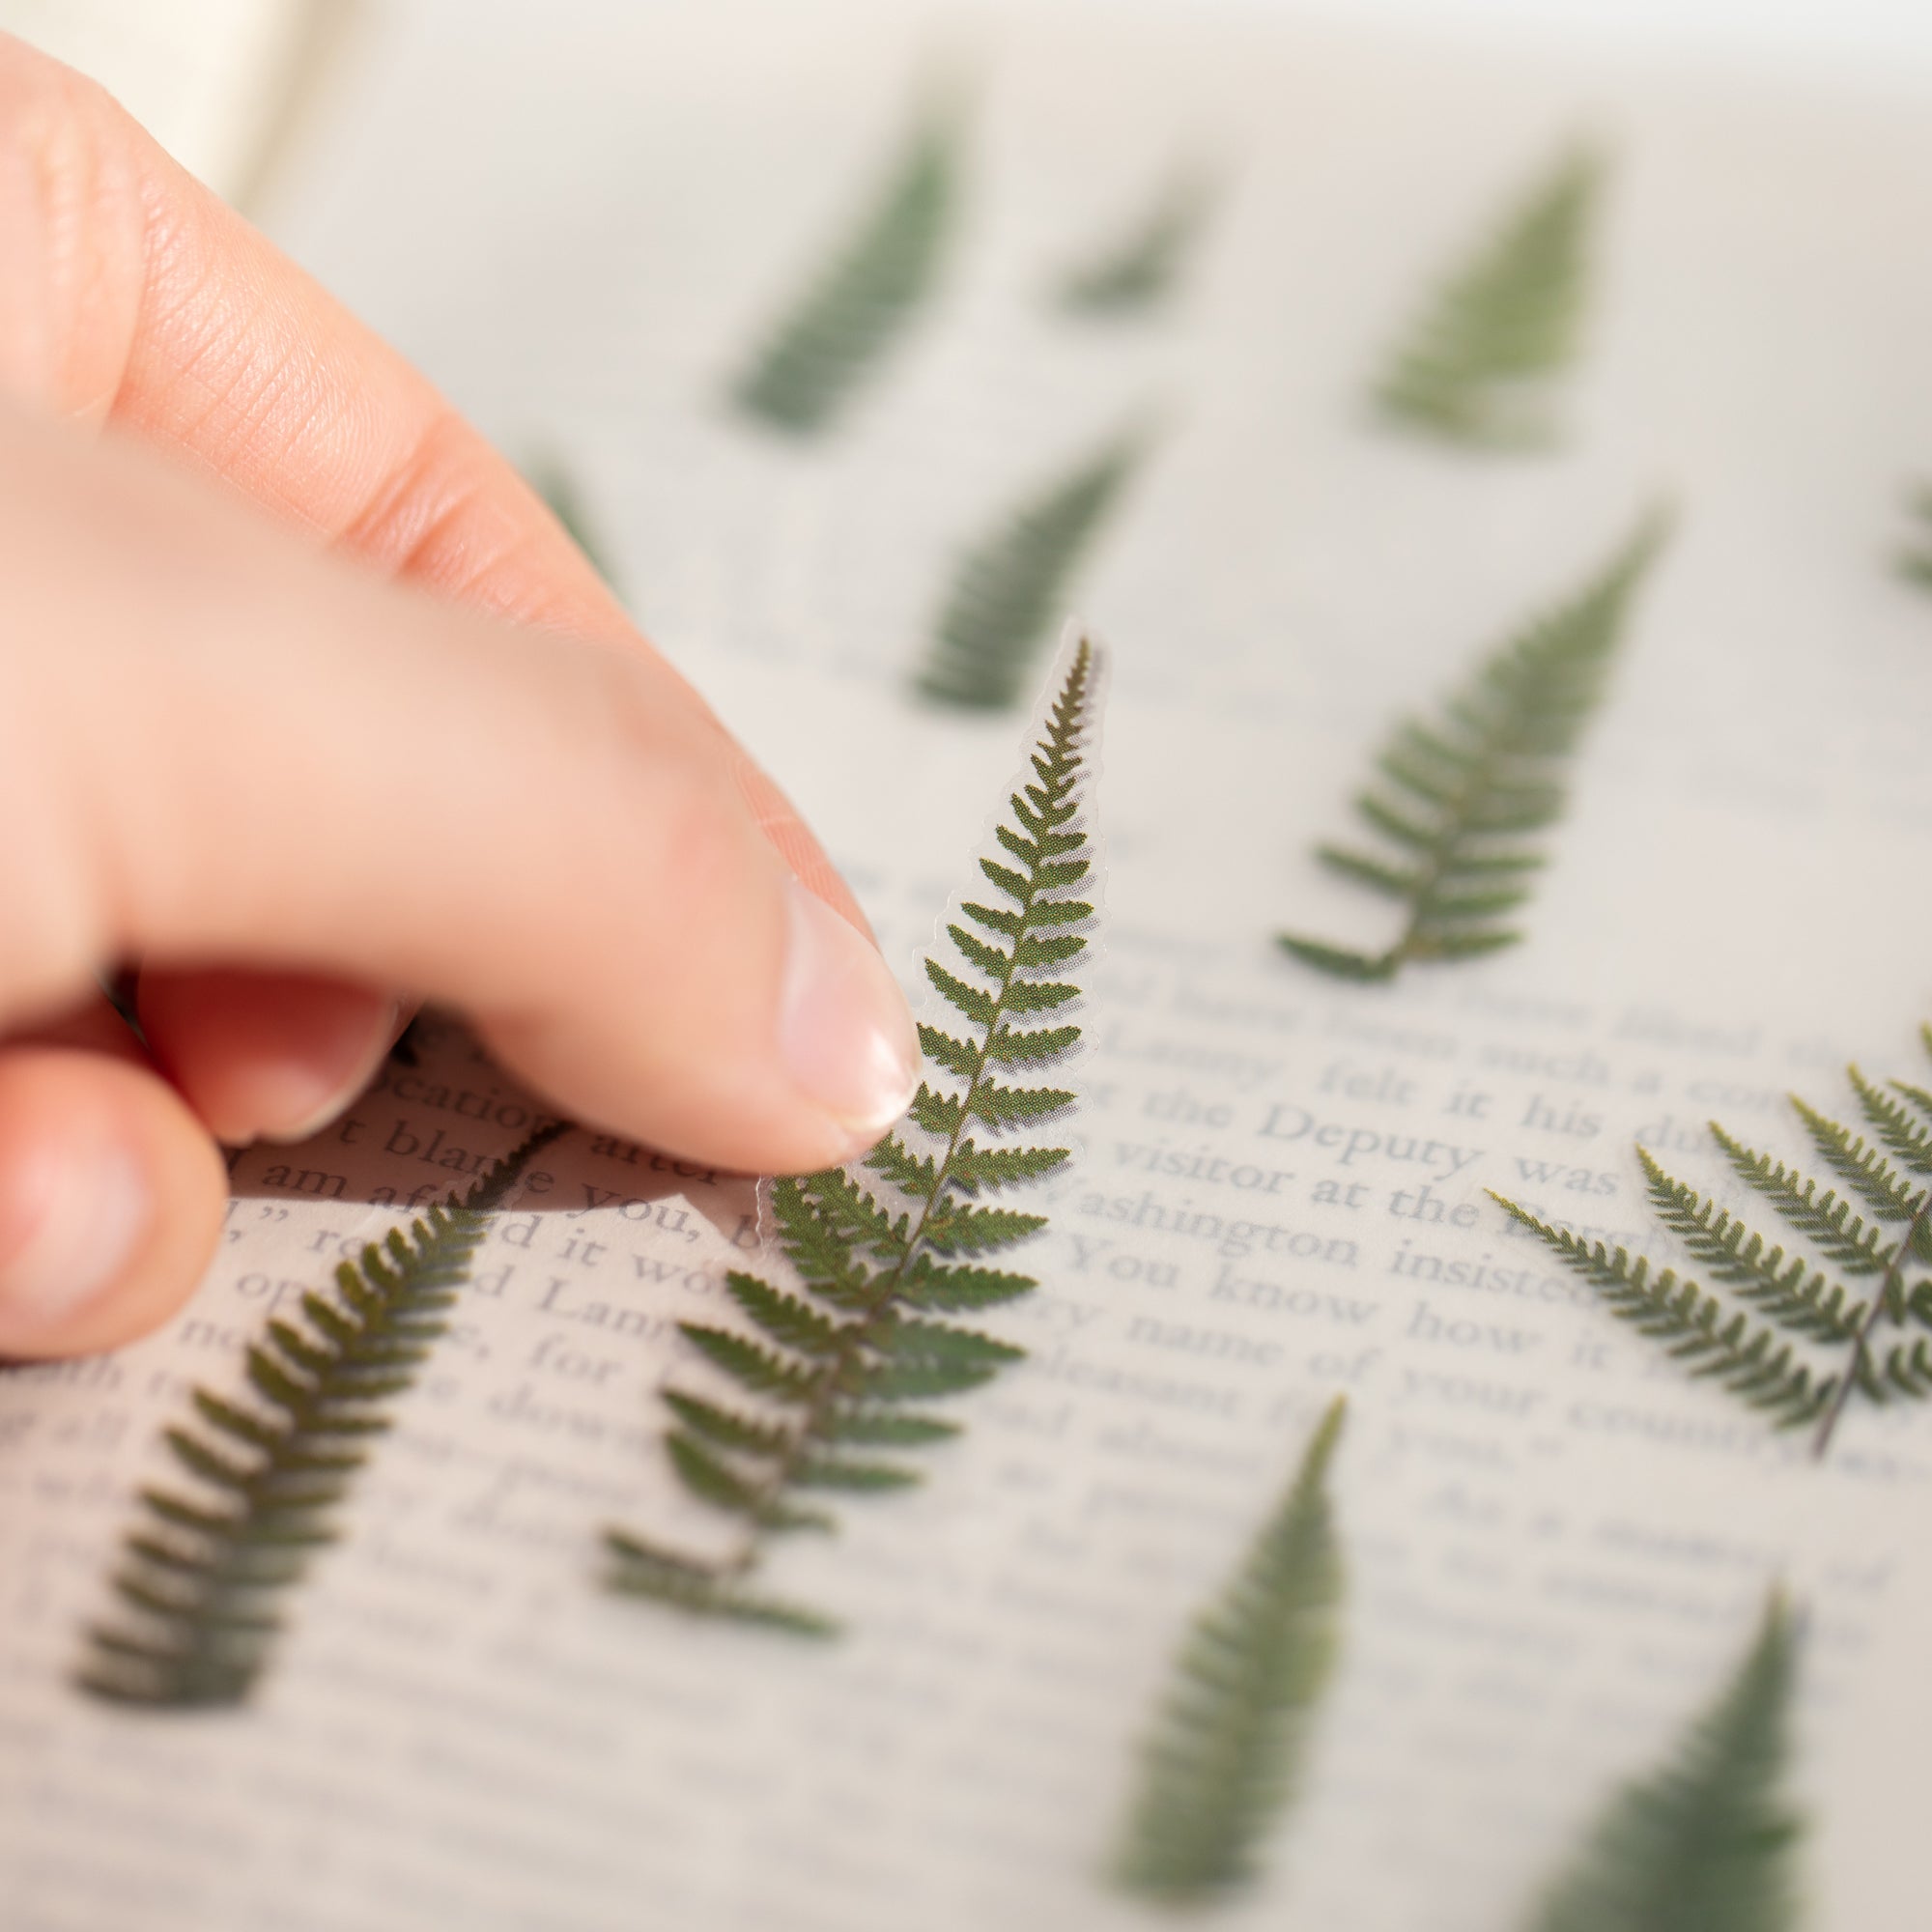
<point>312,699</point>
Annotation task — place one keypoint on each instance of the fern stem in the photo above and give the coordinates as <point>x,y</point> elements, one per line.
<point>1505,731</point>
<point>864,1332</point>
<point>1885,1298</point>
<point>1457,816</point>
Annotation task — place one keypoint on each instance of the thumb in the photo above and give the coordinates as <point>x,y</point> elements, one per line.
<point>224,747</point>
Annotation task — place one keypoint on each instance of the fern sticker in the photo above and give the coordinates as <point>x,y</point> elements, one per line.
<point>203,1574</point>
<point>557,488</point>
<point>832,1382</point>
<point>1011,586</point>
<point>1479,364</point>
<point>868,291</point>
<point>1460,795</point>
<point>1915,559</point>
<point>1876,1232</point>
<point>1141,268</point>
<point>1225,1755</point>
<point>1704,1843</point>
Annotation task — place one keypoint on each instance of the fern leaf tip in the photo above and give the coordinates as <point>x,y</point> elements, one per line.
<point>1339,962</point>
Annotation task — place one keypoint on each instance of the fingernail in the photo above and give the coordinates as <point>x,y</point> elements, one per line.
<point>312,1091</point>
<point>844,1030</point>
<point>77,1234</point>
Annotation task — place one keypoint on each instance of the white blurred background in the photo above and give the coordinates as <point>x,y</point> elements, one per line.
<point>237,88</point>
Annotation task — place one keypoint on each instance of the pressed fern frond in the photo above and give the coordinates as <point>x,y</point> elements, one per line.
<point>1226,1752</point>
<point>1875,1227</point>
<point>1706,1842</point>
<point>1478,365</point>
<point>1915,559</point>
<point>1009,588</point>
<point>1141,268</point>
<point>1742,1356</point>
<point>204,1573</point>
<point>869,289</point>
<point>1458,795</point>
<point>831,1382</point>
<point>555,485</point>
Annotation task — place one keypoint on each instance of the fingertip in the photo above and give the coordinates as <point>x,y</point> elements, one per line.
<point>846,1036</point>
<point>266,1056</point>
<point>827,1059</point>
<point>112,1199</point>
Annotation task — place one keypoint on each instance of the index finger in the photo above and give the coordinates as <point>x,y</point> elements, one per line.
<point>133,295</point>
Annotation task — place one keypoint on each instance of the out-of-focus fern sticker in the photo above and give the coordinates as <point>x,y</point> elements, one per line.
<point>1479,366</point>
<point>1706,1841</point>
<point>554,483</point>
<point>828,1383</point>
<point>1879,1231</point>
<point>1459,793</point>
<point>1010,588</point>
<point>205,1576</point>
<point>1140,270</point>
<point>870,287</point>
<point>1225,1757</point>
<point>1915,558</point>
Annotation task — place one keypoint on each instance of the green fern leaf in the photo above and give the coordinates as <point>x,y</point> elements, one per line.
<point>890,1429</point>
<point>950,1287</point>
<point>1487,771</point>
<point>1826,1219</point>
<point>1870,1174</point>
<point>205,1575</point>
<point>1914,561</point>
<point>784,1318</point>
<point>976,1167</point>
<point>557,487</point>
<point>918,1379</point>
<point>1340,962</point>
<point>854,1354</point>
<point>762,1371</point>
<point>1038,1047</point>
<point>1478,367</point>
<point>642,1569</point>
<point>709,1477</point>
<point>1798,1299</point>
<point>1855,1335</point>
<point>1225,1755</point>
<point>1895,1122</point>
<point>869,290</point>
<point>1009,589</point>
<point>1705,1842</point>
<point>1693,1325</point>
<point>1140,271</point>
<point>953,1229</point>
<point>728,1428</point>
<point>836,1472</point>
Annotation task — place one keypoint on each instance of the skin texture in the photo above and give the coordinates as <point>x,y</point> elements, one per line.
<point>253,531</point>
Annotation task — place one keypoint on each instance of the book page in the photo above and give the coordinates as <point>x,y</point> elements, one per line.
<point>584,224</point>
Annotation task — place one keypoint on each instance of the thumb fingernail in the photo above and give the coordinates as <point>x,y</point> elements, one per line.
<point>845,1033</point>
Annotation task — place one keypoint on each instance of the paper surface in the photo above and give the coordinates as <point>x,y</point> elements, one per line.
<point>1557,1542</point>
